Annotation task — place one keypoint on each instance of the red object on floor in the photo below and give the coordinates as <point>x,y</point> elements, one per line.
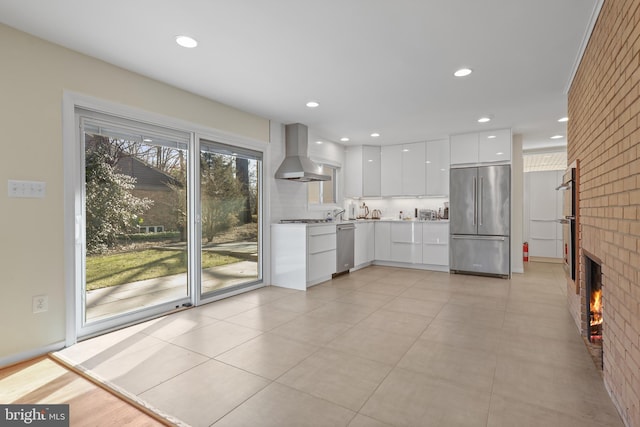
<point>525,251</point>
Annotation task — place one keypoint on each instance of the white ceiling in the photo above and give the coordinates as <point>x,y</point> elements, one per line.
<point>373,65</point>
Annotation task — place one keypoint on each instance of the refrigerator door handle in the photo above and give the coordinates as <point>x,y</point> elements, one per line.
<point>475,200</point>
<point>480,201</point>
<point>462,237</point>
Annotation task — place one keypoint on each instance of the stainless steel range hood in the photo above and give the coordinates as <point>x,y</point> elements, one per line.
<point>296,165</point>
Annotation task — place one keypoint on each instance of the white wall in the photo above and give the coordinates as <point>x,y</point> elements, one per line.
<point>34,76</point>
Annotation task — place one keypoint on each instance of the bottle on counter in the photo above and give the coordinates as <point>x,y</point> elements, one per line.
<point>400,215</point>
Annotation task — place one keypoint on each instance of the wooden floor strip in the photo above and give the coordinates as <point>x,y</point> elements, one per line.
<point>45,380</point>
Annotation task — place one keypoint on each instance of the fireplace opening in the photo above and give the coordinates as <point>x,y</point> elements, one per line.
<point>593,304</point>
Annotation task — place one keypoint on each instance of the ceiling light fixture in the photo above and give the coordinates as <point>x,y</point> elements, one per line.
<point>318,142</point>
<point>375,134</point>
<point>344,139</point>
<point>499,153</point>
<point>484,119</point>
<point>491,137</point>
<point>463,72</point>
<point>147,140</point>
<point>557,137</point>
<point>312,104</point>
<point>186,41</point>
<point>563,119</point>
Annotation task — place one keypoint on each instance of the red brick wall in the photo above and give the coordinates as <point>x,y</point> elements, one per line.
<point>604,135</point>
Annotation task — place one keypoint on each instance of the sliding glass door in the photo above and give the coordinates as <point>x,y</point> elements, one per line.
<point>230,218</point>
<point>157,227</point>
<point>135,253</point>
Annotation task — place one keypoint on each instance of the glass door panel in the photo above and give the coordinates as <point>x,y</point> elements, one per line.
<point>230,212</point>
<point>135,210</point>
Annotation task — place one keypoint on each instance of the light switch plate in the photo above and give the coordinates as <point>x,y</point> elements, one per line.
<point>26,189</point>
<point>40,303</point>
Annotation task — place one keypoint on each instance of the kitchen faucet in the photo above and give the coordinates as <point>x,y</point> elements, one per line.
<point>337,212</point>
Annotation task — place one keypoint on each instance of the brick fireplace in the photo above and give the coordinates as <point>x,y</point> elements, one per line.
<point>604,135</point>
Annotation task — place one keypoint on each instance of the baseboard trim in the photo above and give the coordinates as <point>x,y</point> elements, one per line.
<point>30,354</point>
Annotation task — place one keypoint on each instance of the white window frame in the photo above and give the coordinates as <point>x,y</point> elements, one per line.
<point>321,205</point>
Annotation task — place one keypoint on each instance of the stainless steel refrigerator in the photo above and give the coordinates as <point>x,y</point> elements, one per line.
<point>480,220</point>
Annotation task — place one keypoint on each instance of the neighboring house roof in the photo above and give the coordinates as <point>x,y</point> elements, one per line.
<point>147,177</point>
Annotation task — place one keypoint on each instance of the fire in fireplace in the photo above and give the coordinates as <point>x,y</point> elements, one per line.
<point>594,314</point>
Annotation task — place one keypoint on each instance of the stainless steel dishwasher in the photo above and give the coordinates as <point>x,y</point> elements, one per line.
<point>344,251</point>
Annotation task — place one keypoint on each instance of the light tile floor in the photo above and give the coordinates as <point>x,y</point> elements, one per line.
<point>379,347</point>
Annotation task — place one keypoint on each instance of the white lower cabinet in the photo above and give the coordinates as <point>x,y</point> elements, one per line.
<point>406,242</point>
<point>435,243</point>
<point>382,241</point>
<point>305,255</point>
<point>364,244</point>
<point>302,255</point>
<point>321,251</point>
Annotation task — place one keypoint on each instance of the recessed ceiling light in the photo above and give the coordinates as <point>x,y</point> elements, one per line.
<point>147,139</point>
<point>557,137</point>
<point>375,134</point>
<point>318,142</point>
<point>484,119</point>
<point>344,139</point>
<point>499,153</point>
<point>463,72</point>
<point>563,119</point>
<point>370,160</point>
<point>312,104</point>
<point>186,41</point>
<point>442,169</point>
<point>428,161</point>
<point>491,137</point>
<point>405,150</point>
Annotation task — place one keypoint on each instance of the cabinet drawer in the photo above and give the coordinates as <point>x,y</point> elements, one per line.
<point>322,243</point>
<point>321,265</point>
<point>317,230</point>
<point>406,232</point>
<point>435,254</point>
<point>406,252</point>
<point>435,232</point>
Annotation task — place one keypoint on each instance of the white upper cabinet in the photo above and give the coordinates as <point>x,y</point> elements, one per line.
<point>371,171</point>
<point>494,146</point>
<point>362,171</point>
<point>464,148</point>
<point>437,168</point>
<point>391,170</point>
<point>353,172</point>
<point>403,169</point>
<point>484,147</point>
<point>413,169</point>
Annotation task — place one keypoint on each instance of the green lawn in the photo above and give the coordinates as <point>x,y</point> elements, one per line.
<point>117,269</point>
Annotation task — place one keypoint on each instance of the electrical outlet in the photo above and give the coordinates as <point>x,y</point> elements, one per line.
<point>40,303</point>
